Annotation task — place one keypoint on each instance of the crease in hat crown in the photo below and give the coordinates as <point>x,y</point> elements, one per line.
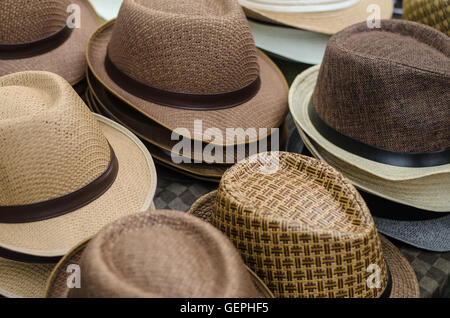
<point>387,87</point>
<point>51,144</point>
<point>22,21</point>
<point>162,254</point>
<point>304,230</point>
<point>191,47</point>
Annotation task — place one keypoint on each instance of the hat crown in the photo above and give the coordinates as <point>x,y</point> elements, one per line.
<point>51,145</point>
<point>305,218</point>
<point>162,254</point>
<point>369,83</point>
<point>190,46</point>
<point>23,22</point>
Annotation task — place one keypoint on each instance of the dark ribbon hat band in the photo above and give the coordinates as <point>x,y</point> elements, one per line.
<point>181,100</point>
<point>67,203</point>
<point>388,289</point>
<point>393,158</point>
<point>34,48</point>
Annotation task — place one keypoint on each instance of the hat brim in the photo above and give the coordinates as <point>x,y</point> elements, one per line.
<point>404,280</point>
<point>57,281</point>
<point>69,59</point>
<point>423,188</point>
<point>267,109</point>
<point>132,192</point>
<point>329,22</point>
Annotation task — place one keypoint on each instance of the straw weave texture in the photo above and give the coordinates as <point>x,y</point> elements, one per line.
<point>435,13</point>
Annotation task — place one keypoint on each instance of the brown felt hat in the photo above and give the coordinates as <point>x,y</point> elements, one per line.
<point>65,171</point>
<point>157,254</point>
<point>196,60</point>
<point>37,36</point>
<point>305,230</point>
<point>357,107</point>
<point>435,13</point>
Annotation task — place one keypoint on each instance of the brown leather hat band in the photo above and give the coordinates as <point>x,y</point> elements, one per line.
<point>181,100</point>
<point>34,48</point>
<point>68,203</point>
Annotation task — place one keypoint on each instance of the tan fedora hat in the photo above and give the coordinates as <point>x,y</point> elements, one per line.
<point>325,16</point>
<point>159,254</point>
<point>38,37</point>
<point>65,172</point>
<point>203,61</point>
<point>394,144</point>
<point>434,13</point>
<point>305,230</point>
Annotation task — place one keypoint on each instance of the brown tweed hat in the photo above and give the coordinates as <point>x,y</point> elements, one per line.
<point>305,230</point>
<point>435,13</point>
<point>180,61</point>
<point>159,254</point>
<point>357,108</point>
<point>37,36</point>
<point>65,172</point>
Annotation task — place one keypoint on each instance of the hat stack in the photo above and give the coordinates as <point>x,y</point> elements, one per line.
<point>65,174</point>
<point>391,139</point>
<point>184,74</point>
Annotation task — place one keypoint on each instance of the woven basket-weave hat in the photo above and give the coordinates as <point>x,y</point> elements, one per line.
<point>37,37</point>
<point>435,13</point>
<point>158,254</point>
<point>305,230</point>
<point>177,62</point>
<point>324,16</point>
<point>65,172</point>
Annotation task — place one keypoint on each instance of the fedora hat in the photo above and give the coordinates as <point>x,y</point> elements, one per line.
<point>65,172</point>
<point>305,230</point>
<point>388,138</point>
<point>323,16</point>
<point>434,13</point>
<point>38,36</point>
<point>158,254</point>
<point>203,61</point>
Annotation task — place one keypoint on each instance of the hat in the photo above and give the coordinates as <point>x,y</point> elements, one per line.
<point>305,230</point>
<point>40,37</point>
<point>419,228</point>
<point>389,139</point>
<point>435,13</point>
<point>323,16</point>
<point>65,172</point>
<point>158,254</point>
<point>203,62</point>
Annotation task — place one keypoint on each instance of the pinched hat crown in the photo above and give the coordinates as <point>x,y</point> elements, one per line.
<point>188,46</point>
<point>24,21</point>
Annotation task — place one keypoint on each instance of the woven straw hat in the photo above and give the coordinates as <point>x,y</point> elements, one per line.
<point>158,254</point>
<point>435,13</point>
<point>304,230</point>
<point>324,16</point>
<point>65,172</point>
<point>393,145</point>
<point>37,37</point>
<point>180,62</point>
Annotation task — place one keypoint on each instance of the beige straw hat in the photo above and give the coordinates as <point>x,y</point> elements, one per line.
<point>401,138</point>
<point>203,61</point>
<point>325,19</point>
<point>160,254</point>
<point>65,172</point>
<point>305,230</point>
<point>38,37</point>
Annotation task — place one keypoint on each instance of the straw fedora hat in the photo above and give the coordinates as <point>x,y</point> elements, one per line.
<point>65,172</point>
<point>434,13</point>
<point>203,61</point>
<point>305,230</point>
<point>395,145</point>
<point>38,37</point>
<point>323,16</point>
<point>159,254</point>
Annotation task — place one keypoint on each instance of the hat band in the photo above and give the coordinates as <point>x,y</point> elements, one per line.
<point>34,48</point>
<point>388,289</point>
<point>181,100</point>
<point>393,158</point>
<point>67,203</point>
